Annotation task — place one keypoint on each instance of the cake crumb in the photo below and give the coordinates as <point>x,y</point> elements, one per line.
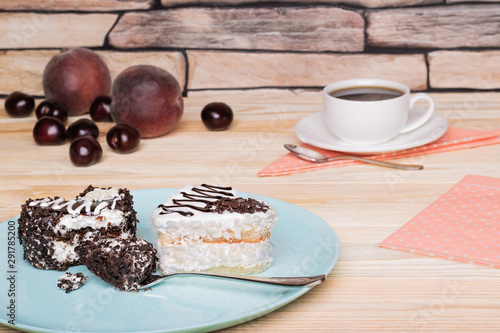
<point>70,282</point>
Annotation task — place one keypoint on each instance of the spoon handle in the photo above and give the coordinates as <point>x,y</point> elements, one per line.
<point>313,156</point>
<point>308,281</point>
<point>381,163</point>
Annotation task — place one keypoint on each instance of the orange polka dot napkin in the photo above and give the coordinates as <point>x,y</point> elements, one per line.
<point>462,225</point>
<point>453,139</point>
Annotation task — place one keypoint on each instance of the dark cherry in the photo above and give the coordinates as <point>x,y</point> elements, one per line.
<point>49,131</point>
<point>85,151</point>
<point>19,104</point>
<point>123,138</point>
<point>100,109</point>
<point>217,116</point>
<point>53,109</point>
<point>82,127</point>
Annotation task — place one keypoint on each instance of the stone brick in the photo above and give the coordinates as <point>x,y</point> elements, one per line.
<point>221,69</point>
<point>459,1</point>
<point>300,29</point>
<point>23,70</point>
<point>360,3</point>
<point>462,69</point>
<point>172,62</point>
<point>86,5</point>
<point>435,27</point>
<point>30,30</point>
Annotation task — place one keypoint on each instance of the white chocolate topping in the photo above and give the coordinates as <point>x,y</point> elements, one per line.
<point>83,204</point>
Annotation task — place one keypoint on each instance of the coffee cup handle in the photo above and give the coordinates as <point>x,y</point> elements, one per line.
<point>414,123</point>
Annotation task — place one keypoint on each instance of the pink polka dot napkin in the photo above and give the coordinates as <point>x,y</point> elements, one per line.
<point>462,225</point>
<point>453,139</point>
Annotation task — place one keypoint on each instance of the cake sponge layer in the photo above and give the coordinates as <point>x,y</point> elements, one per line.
<point>251,236</point>
<point>236,258</point>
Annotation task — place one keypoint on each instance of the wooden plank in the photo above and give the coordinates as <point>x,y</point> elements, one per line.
<point>435,27</point>
<point>297,29</point>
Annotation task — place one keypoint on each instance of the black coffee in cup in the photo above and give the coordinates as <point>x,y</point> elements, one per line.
<point>368,94</point>
<point>372,111</point>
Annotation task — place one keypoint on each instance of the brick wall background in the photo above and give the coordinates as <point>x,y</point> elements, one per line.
<point>430,45</point>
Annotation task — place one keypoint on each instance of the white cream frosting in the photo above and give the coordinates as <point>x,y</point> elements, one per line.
<point>209,224</point>
<point>64,252</point>
<point>106,218</point>
<point>99,194</point>
<point>189,256</point>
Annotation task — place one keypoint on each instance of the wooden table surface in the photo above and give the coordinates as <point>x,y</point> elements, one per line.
<point>371,289</point>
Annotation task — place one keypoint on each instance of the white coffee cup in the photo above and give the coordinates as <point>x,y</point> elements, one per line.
<point>375,121</point>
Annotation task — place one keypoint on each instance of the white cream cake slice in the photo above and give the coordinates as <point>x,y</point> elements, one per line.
<point>211,228</point>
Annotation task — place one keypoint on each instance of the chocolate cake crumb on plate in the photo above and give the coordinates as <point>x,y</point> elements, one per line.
<point>70,281</point>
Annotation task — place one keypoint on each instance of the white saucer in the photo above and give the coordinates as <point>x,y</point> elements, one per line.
<point>312,130</point>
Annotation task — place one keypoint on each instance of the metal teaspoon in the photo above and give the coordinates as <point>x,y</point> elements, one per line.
<point>313,156</point>
<point>307,281</point>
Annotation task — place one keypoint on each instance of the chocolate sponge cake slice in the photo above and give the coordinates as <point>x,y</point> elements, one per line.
<point>50,229</point>
<point>123,263</point>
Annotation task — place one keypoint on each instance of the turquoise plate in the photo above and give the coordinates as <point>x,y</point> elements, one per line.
<point>303,245</point>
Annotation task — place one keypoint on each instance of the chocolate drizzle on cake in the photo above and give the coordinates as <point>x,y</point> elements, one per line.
<point>207,195</point>
<point>211,198</point>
